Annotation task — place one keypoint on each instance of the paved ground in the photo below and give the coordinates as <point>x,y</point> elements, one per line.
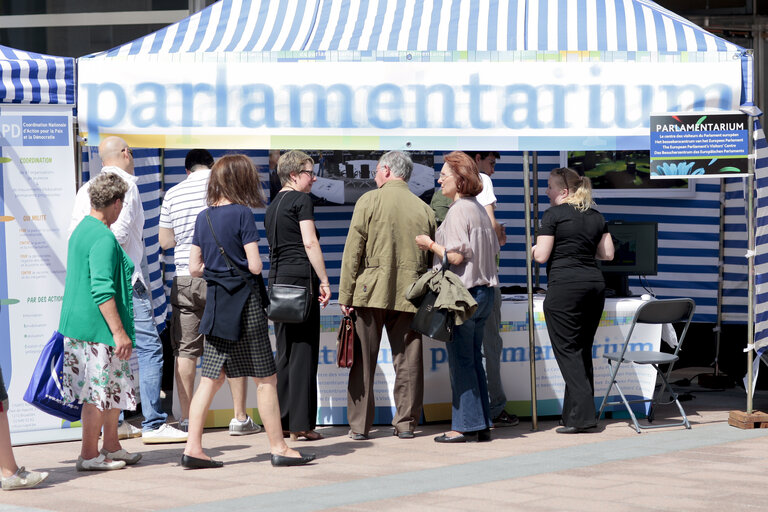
<point>712,466</point>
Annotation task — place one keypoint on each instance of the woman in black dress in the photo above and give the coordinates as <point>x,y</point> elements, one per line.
<point>573,235</point>
<point>234,322</point>
<point>297,259</point>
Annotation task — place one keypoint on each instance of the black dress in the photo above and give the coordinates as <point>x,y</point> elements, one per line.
<point>574,304</point>
<point>297,344</point>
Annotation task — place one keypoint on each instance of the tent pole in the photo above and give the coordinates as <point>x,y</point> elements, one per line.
<point>529,282</point>
<point>537,267</point>
<point>750,284</point>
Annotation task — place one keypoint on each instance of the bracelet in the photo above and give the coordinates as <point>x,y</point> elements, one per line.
<point>325,284</point>
<point>431,244</point>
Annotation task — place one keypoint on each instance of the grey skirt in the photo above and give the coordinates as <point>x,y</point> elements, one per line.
<point>250,356</point>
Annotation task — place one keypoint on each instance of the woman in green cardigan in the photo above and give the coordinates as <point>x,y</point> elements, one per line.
<point>97,323</point>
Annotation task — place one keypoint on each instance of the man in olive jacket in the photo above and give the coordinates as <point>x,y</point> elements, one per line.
<point>381,260</point>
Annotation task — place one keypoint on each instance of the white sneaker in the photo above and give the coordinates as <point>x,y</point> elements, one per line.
<point>243,428</point>
<point>23,479</point>
<point>129,458</point>
<point>127,431</point>
<point>98,463</point>
<point>164,434</point>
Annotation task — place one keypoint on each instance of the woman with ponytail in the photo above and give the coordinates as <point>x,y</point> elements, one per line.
<point>573,235</point>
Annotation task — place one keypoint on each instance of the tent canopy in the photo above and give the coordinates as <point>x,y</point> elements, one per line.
<point>407,74</point>
<point>428,25</point>
<point>27,77</point>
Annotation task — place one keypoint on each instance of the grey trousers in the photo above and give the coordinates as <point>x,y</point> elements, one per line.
<point>492,346</point>
<point>407,360</point>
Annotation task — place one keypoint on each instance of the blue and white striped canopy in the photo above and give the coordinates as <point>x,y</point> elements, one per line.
<point>429,25</point>
<point>27,77</point>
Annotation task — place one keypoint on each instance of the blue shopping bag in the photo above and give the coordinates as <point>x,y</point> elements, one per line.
<point>44,390</point>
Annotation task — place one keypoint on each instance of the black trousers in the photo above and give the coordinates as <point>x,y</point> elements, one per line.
<point>572,312</point>
<point>298,346</point>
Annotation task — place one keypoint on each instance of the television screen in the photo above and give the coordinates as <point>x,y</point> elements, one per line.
<point>635,248</point>
<point>619,170</point>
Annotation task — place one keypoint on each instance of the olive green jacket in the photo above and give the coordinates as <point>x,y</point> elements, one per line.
<point>381,259</point>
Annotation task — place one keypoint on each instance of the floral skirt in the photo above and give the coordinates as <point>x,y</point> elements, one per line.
<point>94,375</point>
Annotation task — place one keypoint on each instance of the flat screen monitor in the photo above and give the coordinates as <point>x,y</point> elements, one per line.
<point>635,254</point>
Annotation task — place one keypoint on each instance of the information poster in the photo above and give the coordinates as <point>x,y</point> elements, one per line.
<point>37,192</point>
<point>699,145</point>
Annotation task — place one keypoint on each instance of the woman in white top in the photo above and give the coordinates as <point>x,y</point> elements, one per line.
<point>470,241</point>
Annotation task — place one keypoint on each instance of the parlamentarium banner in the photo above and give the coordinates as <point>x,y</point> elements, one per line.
<point>400,101</point>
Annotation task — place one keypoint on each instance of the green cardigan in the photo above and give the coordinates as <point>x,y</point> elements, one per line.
<point>97,270</point>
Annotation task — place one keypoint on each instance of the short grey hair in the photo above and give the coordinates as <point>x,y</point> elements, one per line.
<point>399,163</point>
<point>105,189</point>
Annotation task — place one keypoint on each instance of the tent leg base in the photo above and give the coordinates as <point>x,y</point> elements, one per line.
<point>741,419</point>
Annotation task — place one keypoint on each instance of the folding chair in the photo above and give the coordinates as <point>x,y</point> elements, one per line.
<point>653,312</point>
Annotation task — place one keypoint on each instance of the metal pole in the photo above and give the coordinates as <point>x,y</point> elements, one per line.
<point>537,267</point>
<point>750,284</point>
<point>529,282</point>
<point>721,265</point>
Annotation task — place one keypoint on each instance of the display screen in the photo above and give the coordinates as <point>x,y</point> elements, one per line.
<point>635,248</point>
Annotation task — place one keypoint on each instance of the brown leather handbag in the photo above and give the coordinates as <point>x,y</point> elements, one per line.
<point>345,344</point>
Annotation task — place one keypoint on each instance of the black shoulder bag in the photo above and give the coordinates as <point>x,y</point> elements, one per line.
<point>261,290</point>
<point>288,303</point>
<point>431,321</point>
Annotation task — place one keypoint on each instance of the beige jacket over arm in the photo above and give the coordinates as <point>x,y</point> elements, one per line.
<point>381,259</point>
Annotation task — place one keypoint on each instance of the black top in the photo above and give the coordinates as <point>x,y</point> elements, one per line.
<point>577,235</point>
<point>289,253</point>
<point>234,226</point>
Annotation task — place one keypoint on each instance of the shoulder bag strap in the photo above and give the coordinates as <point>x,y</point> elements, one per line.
<point>230,264</point>
<point>272,260</point>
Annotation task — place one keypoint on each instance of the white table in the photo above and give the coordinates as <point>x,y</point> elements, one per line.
<point>332,381</point>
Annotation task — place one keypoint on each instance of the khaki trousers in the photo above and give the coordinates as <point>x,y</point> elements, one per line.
<point>409,369</point>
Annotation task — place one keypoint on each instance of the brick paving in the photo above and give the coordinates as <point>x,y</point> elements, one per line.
<point>712,466</point>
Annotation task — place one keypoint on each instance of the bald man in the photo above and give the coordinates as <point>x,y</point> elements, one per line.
<point>117,157</point>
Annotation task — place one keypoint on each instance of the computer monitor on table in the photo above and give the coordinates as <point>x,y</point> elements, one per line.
<point>636,249</point>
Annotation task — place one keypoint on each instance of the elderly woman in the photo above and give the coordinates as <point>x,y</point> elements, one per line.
<point>297,259</point>
<point>97,324</point>
<point>468,237</point>
<point>225,252</point>
<point>573,235</point>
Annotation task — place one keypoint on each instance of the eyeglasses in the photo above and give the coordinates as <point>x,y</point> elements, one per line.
<point>129,150</point>
<point>445,176</point>
<point>311,173</point>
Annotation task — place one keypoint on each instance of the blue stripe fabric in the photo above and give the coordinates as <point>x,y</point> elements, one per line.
<point>258,29</point>
<point>602,26</point>
<point>581,25</point>
<point>394,34</point>
<point>434,23</point>
<point>453,27</point>
<point>543,18</point>
<point>493,18</point>
<point>323,20</point>
<point>224,22</point>
<point>333,15</point>
<point>242,20</point>
<point>295,26</point>
<point>620,26</point>
<point>343,16</point>
<point>761,240</point>
<point>204,17</point>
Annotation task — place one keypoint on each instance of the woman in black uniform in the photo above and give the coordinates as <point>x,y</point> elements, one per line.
<point>573,235</point>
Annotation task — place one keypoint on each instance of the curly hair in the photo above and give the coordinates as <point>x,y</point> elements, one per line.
<point>105,189</point>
